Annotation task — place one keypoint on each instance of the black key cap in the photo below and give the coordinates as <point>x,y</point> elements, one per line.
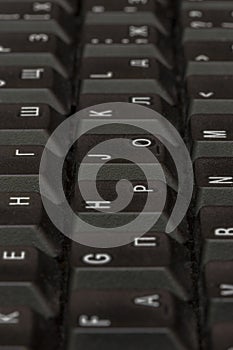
<point>214,172</point>
<point>107,188</point>
<point>135,144</point>
<point>154,261</point>
<point>212,81</point>
<point>139,187</point>
<point>20,159</point>
<point>20,328</point>
<point>120,61</point>
<point>111,216</point>
<point>221,336</point>
<point>18,207</point>
<point>219,289</point>
<point>122,28</point>
<point>148,93</point>
<point>35,50</point>
<point>23,17</point>
<point>117,319</point>
<point>22,124</point>
<point>211,121</point>
<point>29,278</point>
<point>100,6</point>
<point>216,228</point>
<point>69,5</point>
<point>35,85</point>
<point>211,124</point>
<point>207,46</point>
<point>207,16</point>
<point>214,179</point>
<point>21,206</point>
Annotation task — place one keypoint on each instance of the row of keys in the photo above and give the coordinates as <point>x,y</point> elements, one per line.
<point>208,49</point>
<point>130,295</point>
<point>37,59</point>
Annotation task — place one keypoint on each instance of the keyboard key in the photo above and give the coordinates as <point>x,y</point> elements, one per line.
<point>122,28</point>
<point>24,205</point>
<point>214,182</point>
<point>214,172</point>
<point>106,188</point>
<point>135,145</point>
<point>117,319</point>
<point>29,124</point>
<point>207,16</point>
<point>21,206</point>
<point>43,49</point>
<point>69,5</point>
<point>219,290</point>
<point>35,85</point>
<point>216,228</point>
<point>130,6</point>
<point>23,17</point>
<point>211,121</point>
<point>119,62</point>
<point>206,46</point>
<point>19,328</point>
<point>211,125</point>
<point>212,81</point>
<point>29,278</point>
<point>149,261</point>
<point>132,203</point>
<point>20,159</point>
<point>145,92</point>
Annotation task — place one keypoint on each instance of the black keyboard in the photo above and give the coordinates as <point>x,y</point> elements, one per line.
<point>125,70</point>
